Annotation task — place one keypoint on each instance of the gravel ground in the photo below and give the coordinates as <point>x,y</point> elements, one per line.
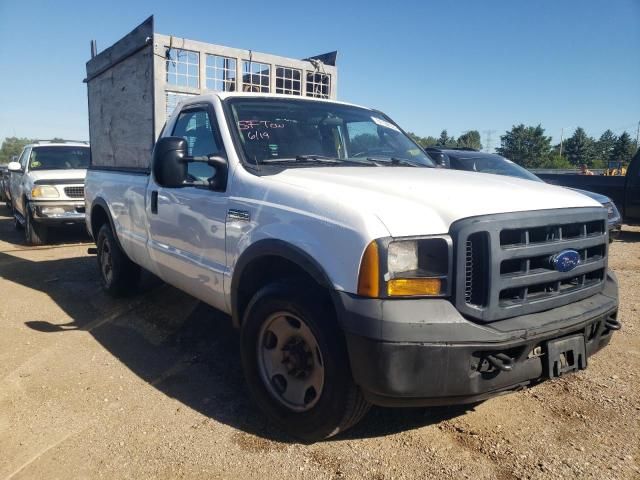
<point>151,387</point>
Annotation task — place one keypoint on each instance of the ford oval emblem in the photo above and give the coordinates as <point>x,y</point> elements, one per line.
<point>566,260</point>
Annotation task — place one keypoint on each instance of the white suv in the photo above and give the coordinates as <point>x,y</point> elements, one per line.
<point>47,187</point>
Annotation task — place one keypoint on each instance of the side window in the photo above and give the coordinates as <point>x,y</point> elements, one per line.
<point>195,127</point>
<point>363,137</point>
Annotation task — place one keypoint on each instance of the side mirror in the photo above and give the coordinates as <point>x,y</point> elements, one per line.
<point>441,159</point>
<point>14,167</point>
<point>219,181</point>
<point>169,165</point>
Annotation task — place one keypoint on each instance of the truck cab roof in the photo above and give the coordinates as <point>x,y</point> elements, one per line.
<point>226,95</point>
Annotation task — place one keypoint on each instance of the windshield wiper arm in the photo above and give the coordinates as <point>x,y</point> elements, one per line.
<point>317,158</point>
<point>395,161</point>
<point>303,159</point>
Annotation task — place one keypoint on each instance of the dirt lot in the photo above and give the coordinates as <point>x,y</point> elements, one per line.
<point>151,387</point>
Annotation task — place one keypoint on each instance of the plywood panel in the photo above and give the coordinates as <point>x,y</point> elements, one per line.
<point>120,87</point>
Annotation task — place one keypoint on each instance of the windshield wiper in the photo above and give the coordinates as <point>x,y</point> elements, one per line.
<point>303,159</point>
<point>394,161</point>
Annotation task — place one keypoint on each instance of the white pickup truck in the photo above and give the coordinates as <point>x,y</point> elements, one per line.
<point>357,273</point>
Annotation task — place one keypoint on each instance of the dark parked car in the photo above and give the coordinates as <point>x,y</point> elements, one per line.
<point>474,161</point>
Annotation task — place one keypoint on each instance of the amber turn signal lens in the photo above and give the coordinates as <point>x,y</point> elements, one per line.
<point>369,277</point>
<point>401,287</point>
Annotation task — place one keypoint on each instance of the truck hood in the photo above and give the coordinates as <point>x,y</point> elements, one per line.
<point>422,201</point>
<point>598,197</point>
<point>45,175</point>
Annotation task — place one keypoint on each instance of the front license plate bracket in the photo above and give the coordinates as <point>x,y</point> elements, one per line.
<point>566,355</point>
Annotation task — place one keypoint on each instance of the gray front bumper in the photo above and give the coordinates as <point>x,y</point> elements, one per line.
<point>423,352</point>
<point>56,212</point>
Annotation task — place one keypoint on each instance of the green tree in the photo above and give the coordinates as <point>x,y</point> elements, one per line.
<point>445,140</point>
<point>604,146</point>
<point>623,150</point>
<point>555,160</point>
<point>525,145</point>
<point>423,141</point>
<point>12,146</point>
<point>429,141</point>
<point>470,139</point>
<point>580,148</point>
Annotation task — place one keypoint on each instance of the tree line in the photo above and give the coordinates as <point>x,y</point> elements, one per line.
<point>12,147</point>
<point>469,139</point>
<point>530,147</point>
<point>526,145</point>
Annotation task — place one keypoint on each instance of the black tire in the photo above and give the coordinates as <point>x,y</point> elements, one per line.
<point>118,273</point>
<point>16,223</point>
<point>340,404</point>
<point>34,233</point>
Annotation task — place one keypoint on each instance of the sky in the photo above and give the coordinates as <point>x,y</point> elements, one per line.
<point>430,65</point>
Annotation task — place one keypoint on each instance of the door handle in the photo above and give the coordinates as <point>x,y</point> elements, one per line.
<point>154,201</point>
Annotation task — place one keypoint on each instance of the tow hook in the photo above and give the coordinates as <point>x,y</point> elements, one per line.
<point>92,251</point>
<point>501,361</point>
<point>612,324</point>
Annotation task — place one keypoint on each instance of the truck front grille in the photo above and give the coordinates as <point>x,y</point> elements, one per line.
<point>476,269</point>
<point>74,192</point>
<point>504,262</point>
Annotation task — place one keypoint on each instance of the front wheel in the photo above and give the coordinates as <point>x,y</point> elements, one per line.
<point>16,223</point>
<point>118,273</point>
<point>296,363</point>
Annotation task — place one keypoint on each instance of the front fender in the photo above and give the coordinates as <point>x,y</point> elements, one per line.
<point>338,250</point>
<point>274,248</point>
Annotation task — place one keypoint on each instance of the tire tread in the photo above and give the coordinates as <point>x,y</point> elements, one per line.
<point>126,272</point>
<point>354,406</point>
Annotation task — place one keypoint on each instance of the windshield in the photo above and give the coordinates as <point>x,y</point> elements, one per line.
<point>492,164</point>
<point>274,130</point>
<point>59,158</point>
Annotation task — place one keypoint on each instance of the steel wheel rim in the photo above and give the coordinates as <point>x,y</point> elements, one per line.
<point>290,362</point>
<point>106,266</point>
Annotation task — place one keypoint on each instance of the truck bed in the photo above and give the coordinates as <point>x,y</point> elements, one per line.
<point>612,187</point>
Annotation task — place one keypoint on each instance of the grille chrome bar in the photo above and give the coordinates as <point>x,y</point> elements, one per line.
<point>549,276</point>
<point>533,250</point>
<point>514,275</point>
<point>74,192</point>
<point>468,281</point>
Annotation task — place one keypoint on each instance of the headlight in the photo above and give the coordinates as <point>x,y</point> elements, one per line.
<point>44,191</point>
<point>412,267</point>
<point>612,211</point>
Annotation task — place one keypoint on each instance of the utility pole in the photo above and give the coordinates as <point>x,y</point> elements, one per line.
<point>561,139</point>
<point>638,137</point>
<point>487,139</point>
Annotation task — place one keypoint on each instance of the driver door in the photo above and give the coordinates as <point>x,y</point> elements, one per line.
<point>187,224</point>
<point>16,181</point>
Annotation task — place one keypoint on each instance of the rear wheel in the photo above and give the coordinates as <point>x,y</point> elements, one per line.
<point>34,233</point>
<point>296,363</point>
<point>118,273</point>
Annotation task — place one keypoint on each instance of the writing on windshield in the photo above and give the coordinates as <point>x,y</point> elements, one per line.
<point>272,129</point>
